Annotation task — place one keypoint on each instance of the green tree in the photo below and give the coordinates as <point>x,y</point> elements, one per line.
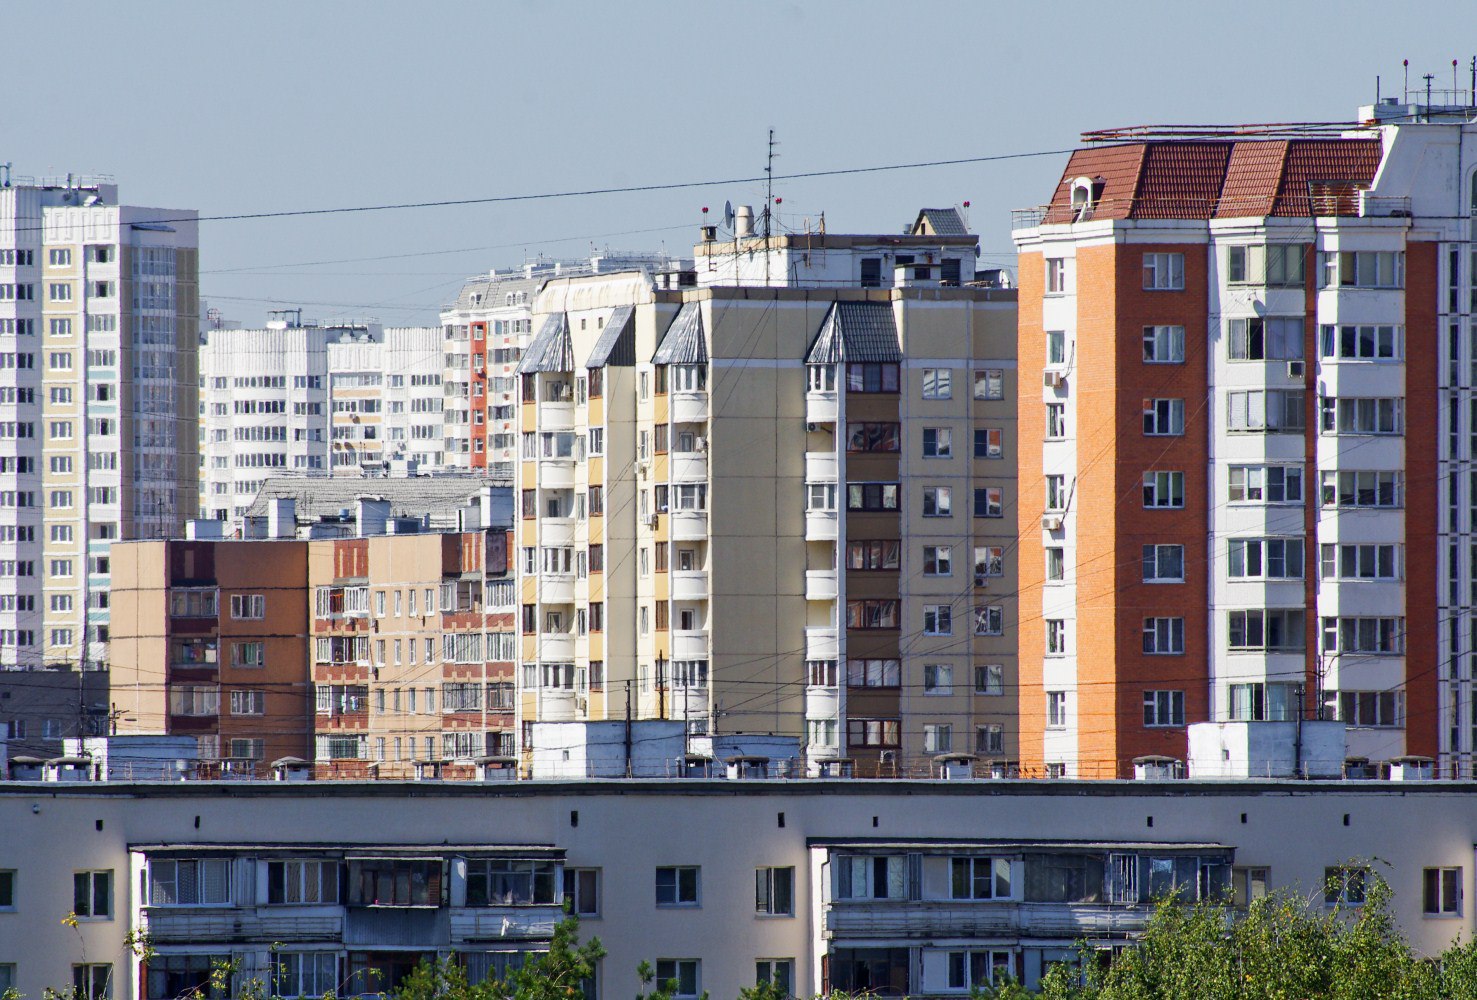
<point>558,974</point>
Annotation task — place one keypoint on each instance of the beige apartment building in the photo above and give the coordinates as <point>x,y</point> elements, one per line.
<point>783,515</point>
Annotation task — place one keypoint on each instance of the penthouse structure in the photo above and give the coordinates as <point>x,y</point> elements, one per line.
<point>1250,365</point>
<point>774,512</point>
<point>98,399</point>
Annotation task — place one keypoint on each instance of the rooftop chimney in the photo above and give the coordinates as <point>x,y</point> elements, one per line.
<point>373,516</point>
<point>281,517</point>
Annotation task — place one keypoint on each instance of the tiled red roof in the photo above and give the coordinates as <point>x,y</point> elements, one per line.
<point>1204,179</point>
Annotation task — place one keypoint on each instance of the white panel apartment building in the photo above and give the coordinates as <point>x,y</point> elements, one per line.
<point>316,400</point>
<point>98,317</point>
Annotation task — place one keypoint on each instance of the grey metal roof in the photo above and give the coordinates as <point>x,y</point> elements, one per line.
<point>943,221</point>
<point>440,496</point>
<point>551,349</point>
<point>685,342</point>
<point>856,331</point>
<point>616,344</point>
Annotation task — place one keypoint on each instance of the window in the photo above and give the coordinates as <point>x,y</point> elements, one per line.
<point>1259,702</point>
<point>937,560</point>
<point>871,876</point>
<point>1264,558</point>
<point>250,654</point>
<point>871,496</point>
<point>1442,892</point>
<point>248,606</point>
<point>303,973</point>
<point>938,442</point>
<point>776,972</point>
<point>1056,564</point>
<point>1362,415</point>
<point>1361,562</point>
<point>395,882</point>
<point>190,883</point>
<point>92,894</point>
<point>1266,484</point>
<point>989,501</point>
<point>989,560</point>
<point>248,702</point>
<point>1272,338</point>
<point>1164,708</point>
<point>865,437</point>
<point>1056,709</point>
<point>938,737</point>
<point>989,620</point>
<point>682,975</point>
<point>872,673</point>
<point>820,496</point>
<point>1164,272</point>
<point>938,383</point>
<point>938,678</point>
<point>979,878</point>
<point>582,891</point>
<point>1056,636</point>
<point>877,555</point>
<point>938,619</point>
<point>1364,635</point>
<point>989,383</point>
<point>990,678</point>
<point>871,377</point>
<point>297,882</point>
<point>821,378</point>
<point>1164,564</point>
<point>1056,275</point>
<point>1362,269</point>
<point>938,501</point>
<point>1164,489</point>
<point>1372,709</point>
<point>1272,629</point>
<point>873,614</point>
<point>1164,636</point>
<point>774,892</point>
<point>1363,343</point>
<point>1056,347</point>
<point>1056,420</point>
<point>1164,345</point>
<point>872,732</point>
<point>989,739</point>
<point>94,981</point>
<point>1164,417</point>
<point>1056,492</point>
<point>677,886</point>
<point>1267,411</point>
<point>1248,885</point>
<point>1345,885</point>
<point>7,889</point>
<point>1361,488</point>
<point>509,882</point>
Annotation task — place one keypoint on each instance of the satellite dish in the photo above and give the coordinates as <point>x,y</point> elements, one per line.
<point>728,215</point>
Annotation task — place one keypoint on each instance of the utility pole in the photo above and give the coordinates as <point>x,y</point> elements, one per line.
<point>768,204</point>
<point>628,728</point>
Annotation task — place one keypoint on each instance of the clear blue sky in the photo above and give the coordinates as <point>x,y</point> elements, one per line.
<point>286,104</point>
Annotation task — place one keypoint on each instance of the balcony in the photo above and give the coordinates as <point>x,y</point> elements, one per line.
<point>820,585</point>
<point>688,702</point>
<point>556,473</point>
<point>556,531</point>
<point>208,925</point>
<point>556,416</point>
<point>820,467</point>
<point>394,927</point>
<point>556,646</point>
<point>690,644</point>
<point>689,407</point>
<point>689,585</point>
<point>822,702</point>
<point>558,705</point>
<point>556,589</point>
<point>689,467</point>
<point>820,407</point>
<point>821,642</point>
<point>502,923</point>
<point>688,525</point>
<point>821,525</point>
<point>949,919</point>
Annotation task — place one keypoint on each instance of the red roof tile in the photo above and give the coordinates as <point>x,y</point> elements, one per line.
<point>1118,166</point>
<point>1181,180</point>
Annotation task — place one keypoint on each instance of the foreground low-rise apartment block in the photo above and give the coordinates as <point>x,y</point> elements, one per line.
<point>369,647</point>
<point>894,888</point>
<point>98,317</point>
<point>783,512</point>
<point>1248,358</point>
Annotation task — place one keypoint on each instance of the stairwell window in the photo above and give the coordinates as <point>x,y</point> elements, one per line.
<point>1164,272</point>
<point>1164,563</point>
<point>1056,709</point>
<point>1056,275</point>
<point>1164,417</point>
<point>1164,489</point>
<point>1164,345</point>
<point>1164,708</point>
<point>1056,636</point>
<point>1164,636</point>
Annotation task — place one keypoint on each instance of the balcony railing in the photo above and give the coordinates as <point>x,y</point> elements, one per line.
<point>950,919</point>
<point>167,925</point>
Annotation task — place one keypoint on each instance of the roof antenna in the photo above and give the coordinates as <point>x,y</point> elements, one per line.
<point>1406,98</point>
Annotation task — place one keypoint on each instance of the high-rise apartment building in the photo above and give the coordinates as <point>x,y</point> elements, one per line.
<point>98,400</point>
<point>1250,362</point>
<point>773,511</point>
<point>346,399</point>
<point>486,330</point>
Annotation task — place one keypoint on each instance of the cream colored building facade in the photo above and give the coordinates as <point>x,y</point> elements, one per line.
<point>98,398</point>
<point>774,512</point>
<point>816,883</point>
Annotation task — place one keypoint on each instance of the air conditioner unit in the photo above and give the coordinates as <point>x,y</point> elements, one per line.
<point>701,444</point>
<point>980,581</point>
<point>1053,379</point>
<point>810,426</point>
<point>1051,522</point>
<point>651,520</point>
<point>1295,369</point>
<point>642,468</point>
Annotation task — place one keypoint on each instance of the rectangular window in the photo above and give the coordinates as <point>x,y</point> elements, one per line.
<point>1372,709</point>
<point>979,878</point>
<point>1362,415</point>
<point>248,606</point>
<point>1056,347</point>
<point>1271,629</point>
<point>1442,892</point>
<point>989,442</point>
<point>989,383</point>
<point>1370,636</point>
<point>774,892</point>
<point>989,679</point>
<point>989,739</point>
<point>1164,417</point>
<point>92,894</point>
<point>776,972</point>
<point>94,981</point>
<point>938,560</point>
<point>1164,708</point>
<point>872,437</point>
<point>938,442</point>
<point>871,377</point>
<point>1164,564</point>
<point>682,975</point>
<point>873,673</point>
<point>1056,564</point>
<point>677,886</point>
<point>1248,885</point>
<point>1345,885</point>
<point>1265,484</point>
<point>871,496</point>
<point>1056,636</point>
<point>1056,421</point>
<point>938,678</point>
<point>1271,338</point>
<point>1269,411</point>
<point>989,501</point>
<point>1056,709</point>
<point>582,891</point>
<point>1264,558</point>
<point>1362,269</point>
<point>938,737</point>
<point>878,555</point>
<point>1056,492</point>
<point>1361,488</point>
<point>190,883</point>
<point>989,560</point>
<point>938,501</point>
<point>1056,275</point>
<point>1164,636</point>
<point>866,876</point>
<point>510,882</point>
<point>302,974</point>
<point>938,383</point>
<point>1164,272</point>
<point>1164,345</point>
<point>1164,489</point>
<point>1363,343</point>
<point>938,619</point>
<point>294,883</point>
<point>1259,702</point>
<point>1361,562</point>
<point>989,619</point>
